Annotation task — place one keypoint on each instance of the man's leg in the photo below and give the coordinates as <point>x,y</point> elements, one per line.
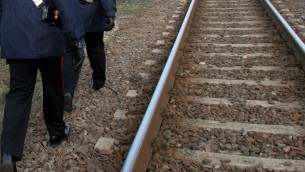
<point>73,62</point>
<point>17,109</point>
<point>53,95</point>
<point>96,54</point>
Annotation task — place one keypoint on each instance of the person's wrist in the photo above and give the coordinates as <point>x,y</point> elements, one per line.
<point>79,43</point>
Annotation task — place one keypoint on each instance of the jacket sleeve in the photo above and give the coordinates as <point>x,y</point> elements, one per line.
<point>109,7</point>
<point>70,18</point>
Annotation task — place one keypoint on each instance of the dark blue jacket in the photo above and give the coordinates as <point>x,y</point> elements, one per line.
<point>94,16</point>
<point>25,36</point>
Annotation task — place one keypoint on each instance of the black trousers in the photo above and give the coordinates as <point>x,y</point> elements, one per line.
<point>73,62</point>
<point>18,101</point>
<point>97,58</point>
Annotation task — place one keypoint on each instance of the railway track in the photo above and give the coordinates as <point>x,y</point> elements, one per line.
<point>237,98</point>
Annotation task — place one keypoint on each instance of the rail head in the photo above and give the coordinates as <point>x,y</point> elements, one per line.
<point>295,43</point>
<point>140,151</point>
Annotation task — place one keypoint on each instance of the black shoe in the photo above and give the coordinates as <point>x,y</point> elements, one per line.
<point>56,140</point>
<point>97,87</point>
<point>68,102</point>
<point>97,84</point>
<point>7,163</point>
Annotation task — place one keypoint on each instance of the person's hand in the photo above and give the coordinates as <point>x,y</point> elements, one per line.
<point>78,59</point>
<point>110,24</point>
<point>79,43</point>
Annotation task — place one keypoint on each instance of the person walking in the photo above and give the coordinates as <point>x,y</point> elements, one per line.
<point>33,39</point>
<point>97,16</point>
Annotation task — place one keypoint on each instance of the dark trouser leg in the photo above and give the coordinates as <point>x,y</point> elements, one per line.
<point>18,104</point>
<point>53,96</point>
<point>68,72</point>
<point>73,62</point>
<point>96,54</point>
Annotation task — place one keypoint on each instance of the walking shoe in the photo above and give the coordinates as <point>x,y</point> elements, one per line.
<point>97,87</point>
<point>56,140</point>
<point>7,163</point>
<point>68,102</point>
<point>97,84</point>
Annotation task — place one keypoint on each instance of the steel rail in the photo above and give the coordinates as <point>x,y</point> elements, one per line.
<point>140,152</point>
<point>294,42</point>
<point>139,155</point>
